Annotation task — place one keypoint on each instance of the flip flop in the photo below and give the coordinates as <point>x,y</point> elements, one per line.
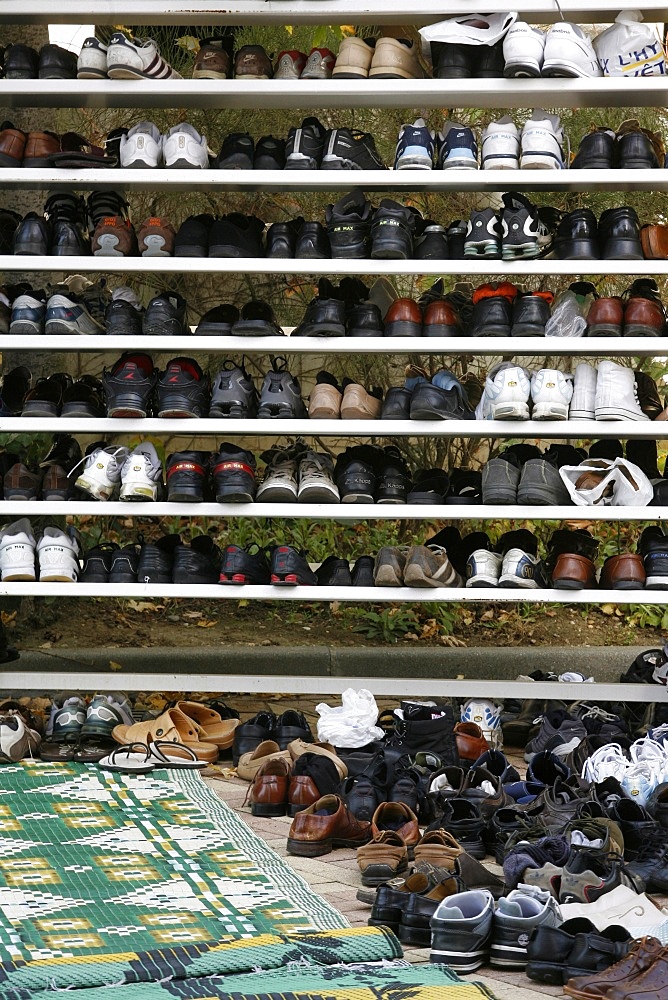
<point>164,753</point>
<point>130,759</point>
<point>58,750</point>
<point>91,749</point>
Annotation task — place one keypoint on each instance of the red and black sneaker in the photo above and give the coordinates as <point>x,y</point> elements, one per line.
<point>187,473</point>
<point>183,390</point>
<point>249,565</point>
<point>129,385</point>
<point>289,567</point>
<point>233,474</point>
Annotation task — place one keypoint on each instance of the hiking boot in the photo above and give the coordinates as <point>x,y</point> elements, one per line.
<point>518,916</point>
<point>233,469</point>
<point>233,393</point>
<point>280,396</point>
<point>240,565</point>
<point>129,385</point>
<point>289,567</point>
<point>588,875</point>
<point>183,390</point>
<point>186,476</point>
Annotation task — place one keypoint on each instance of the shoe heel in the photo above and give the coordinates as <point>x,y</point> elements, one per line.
<point>308,849</point>
<point>284,579</point>
<point>155,247</point>
<point>107,244</point>
<point>623,250</point>
<point>263,809</point>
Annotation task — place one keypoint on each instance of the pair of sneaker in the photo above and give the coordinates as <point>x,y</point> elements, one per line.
<point>514,393</point>
<point>123,59</point>
<point>513,562</point>
<point>518,232</point>
<point>109,469</point>
<point>297,475</point>
<point>609,392</point>
<point>419,148</point>
<point>564,50</point>
<point>539,145</point>
<point>54,559</point>
<point>82,732</point>
<point>234,394</point>
<point>180,147</point>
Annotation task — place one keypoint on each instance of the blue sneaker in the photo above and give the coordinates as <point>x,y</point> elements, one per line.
<point>28,314</point>
<point>457,148</point>
<point>416,147</point>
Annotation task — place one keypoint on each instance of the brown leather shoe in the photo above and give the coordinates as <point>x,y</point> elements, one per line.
<point>252,63</point>
<point>383,858</point>
<point>12,145</point>
<point>438,848</point>
<point>643,318</point>
<point>212,62</point>
<point>440,320</point>
<point>114,236</point>
<point>606,317</point>
<point>654,241</point>
<point>156,237</point>
<point>471,744</point>
<point>624,974</point>
<point>39,146</point>
<point>429,566</point>
<point>56,484</point>
<point>358,404</point>
<point>269,792</point>
<point>573,572</point>
<point>19,483</point>
<point>328,823</point>
<point>302,792</point>
<point>403,319</point>
<point>623,572</point>
<point>325,402</point>
<point>398,817</point>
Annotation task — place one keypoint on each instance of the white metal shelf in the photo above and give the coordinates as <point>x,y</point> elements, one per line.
<point>301,12</point>
<point>589,347</point>
<point>297,181</point>
<point>610,92</point>
<point>328,512</point>
<point>411,595</point>
<point>224,428</point>
<point>478,267</point>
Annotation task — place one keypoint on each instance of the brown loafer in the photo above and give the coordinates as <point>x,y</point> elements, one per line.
<point>328,823</point>
<point>383,858</point>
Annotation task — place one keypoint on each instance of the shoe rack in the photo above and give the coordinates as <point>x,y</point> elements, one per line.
<point>315,95</point>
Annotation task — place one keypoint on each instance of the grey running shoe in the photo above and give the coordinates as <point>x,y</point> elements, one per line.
<point>559,733</point>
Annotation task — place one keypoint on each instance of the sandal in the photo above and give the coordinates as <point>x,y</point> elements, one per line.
<point>131,759</point>
<point>164,753</point>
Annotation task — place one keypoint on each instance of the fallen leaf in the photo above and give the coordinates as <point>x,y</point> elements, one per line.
<point>206,624</point>
<point>193,614</point>
<point>46,645</point>
<point>145,606</point>
<point>7,617</point>
<point>608,609</point>
<point>115,665</point>
<point>486,615</point>
<point>550,614</point>
<point>243,603</point>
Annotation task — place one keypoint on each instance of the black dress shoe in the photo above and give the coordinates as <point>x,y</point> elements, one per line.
<point>362,572</point>
<point>596,152</point>
<point>33,236</point>
<point>577,236</point>
<point>251,733</point>
<point>312,242</point>
<point>56,63</point>
<point>334,572</point>
<point>217,322</point>
<point>430,402</point>
<point>397,404</point>
<point>619,234</point>
<point>282,238</point>
<point>492,317</point>
<point>364,320</point>
<point>257,320</point>
<point>636,152</point>
<point>453,61</point>
<point>488,61</point>
<point>324,317</point>
<point>21,62</point>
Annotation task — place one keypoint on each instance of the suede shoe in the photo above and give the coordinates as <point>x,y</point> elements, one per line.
<point>326,824</point>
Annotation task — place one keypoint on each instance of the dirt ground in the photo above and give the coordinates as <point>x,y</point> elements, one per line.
<point>79,623</point>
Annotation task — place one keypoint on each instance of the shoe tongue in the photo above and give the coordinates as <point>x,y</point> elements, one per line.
<point>183,368</point>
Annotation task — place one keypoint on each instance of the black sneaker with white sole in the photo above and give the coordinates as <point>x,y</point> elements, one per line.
<point>129,385</point>
<point>349,149</point>
<point>356,473</point>
<point>233,393</point>
<point>183,390</point>
<point>305,144</point>
<point>523,234</point>
<point>123,319</point>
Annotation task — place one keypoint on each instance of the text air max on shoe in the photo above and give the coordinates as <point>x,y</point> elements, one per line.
<point>58,555</point>
<point>542,142</point>
<point>141,474</point>
<point>134,59</point>
<point>501,145</point>
<point>17,551</point>
<point>102,470</point>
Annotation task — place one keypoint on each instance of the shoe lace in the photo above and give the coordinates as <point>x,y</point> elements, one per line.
<point>653,846</point>
<point>606,762</point>
<point>89,459</point>
<point>315,467</point>
<point>647,749</point>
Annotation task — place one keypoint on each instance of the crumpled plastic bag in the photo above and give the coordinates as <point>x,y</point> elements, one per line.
<point>352,723</point>
<point>569,316</point>
<point>630,48</point>
<point>622,485</point>
<point>467,29</point>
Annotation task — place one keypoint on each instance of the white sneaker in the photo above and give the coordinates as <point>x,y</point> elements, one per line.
<point>501,145</point>
<point>142,146</point>
<point>17,551</point>
<point>58,554</point>
<point>134,59</point>
<point>617,393</point>
<point>507,392</point>
<point>141,474</point>
<point>639,781</point>
<point>519,569</point>
<point>606,762</point>
<point>316,482</point>
<point>523,48</point>
<point>92,61</point>
<point>184,147</point>
<point>569,52</point>
<point>583,401</point>
<point>542,142</point>
<point>483,568</point>
<point>280,481</point>
<point>551,392</point>
<point>487,715</point>
<point>102,471</point>
<point>67,315</point>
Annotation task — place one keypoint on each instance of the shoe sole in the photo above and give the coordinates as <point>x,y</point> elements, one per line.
<point>314,849</point>
<point>550,411</point>
<point>139,492</point>
<point>106,246</point>
<point>277,494</point>
<point>121,72</point>
<point>317,494</point>
<point>25,327</point>
<point>155,247</point>
<point>98,491</point>
<point>379,874</point>
<point>510,411</point>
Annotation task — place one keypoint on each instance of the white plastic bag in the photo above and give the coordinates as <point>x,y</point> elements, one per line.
<point>467,29</point>
<point>630,48</point>
<point>623,485</point>
<point>352,723</point>
<point>569,316</point>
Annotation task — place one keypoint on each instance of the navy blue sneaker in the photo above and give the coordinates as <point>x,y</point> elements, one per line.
<point>416,147</point>
<point>457,148</point>
<point>290,567</point>
<point>249,565</point>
